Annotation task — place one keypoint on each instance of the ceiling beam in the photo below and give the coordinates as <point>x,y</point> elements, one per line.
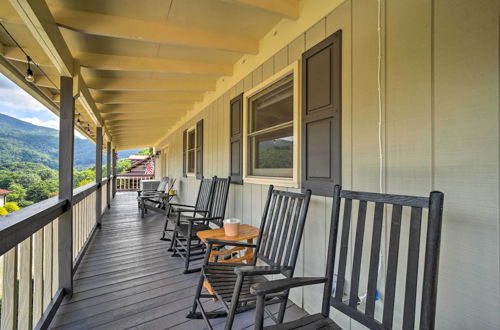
<point>146,97</point>
<point>173,85</point>
<point>111,109</point>
<point>133,29</point>
<point>148,64</point>
<point>38,19</point>
<point>285,8</point>
<point>86,99</point>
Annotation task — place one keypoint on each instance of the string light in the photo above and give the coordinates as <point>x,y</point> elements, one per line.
<point>78,121</point>
<point>29,74</point>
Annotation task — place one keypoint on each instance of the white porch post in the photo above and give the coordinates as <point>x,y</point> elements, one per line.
<point>66,145</point>
<point>108,173</point>
<point>98,175</point>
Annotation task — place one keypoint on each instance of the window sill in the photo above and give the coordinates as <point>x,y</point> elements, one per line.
<point>278,182</point>
<point>191,175</point>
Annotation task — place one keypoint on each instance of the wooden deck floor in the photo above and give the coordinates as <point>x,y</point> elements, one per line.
<point>127,279</point>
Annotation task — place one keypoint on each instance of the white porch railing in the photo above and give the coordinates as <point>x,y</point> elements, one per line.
<point>128,183</point>
<point>29,267</point>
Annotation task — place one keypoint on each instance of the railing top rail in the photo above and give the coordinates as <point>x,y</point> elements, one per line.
<point>17,226</point>
<point>81,192</point>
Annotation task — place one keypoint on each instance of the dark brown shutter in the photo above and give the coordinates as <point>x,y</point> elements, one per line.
<point>184,147</point>
<point>321,116</point>
<point>199,149</point>
<point>236,140</point>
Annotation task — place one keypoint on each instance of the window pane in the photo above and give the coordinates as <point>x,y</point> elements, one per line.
<point>191,161</point>
<point>272,153</point>
<point>272,106</point>
<point>191,137</point>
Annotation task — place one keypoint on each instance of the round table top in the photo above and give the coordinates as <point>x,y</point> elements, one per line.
<point>245,232</point>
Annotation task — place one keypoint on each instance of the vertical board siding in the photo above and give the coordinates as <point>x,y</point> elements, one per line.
<point>439,80</point>
<point>466,160</point>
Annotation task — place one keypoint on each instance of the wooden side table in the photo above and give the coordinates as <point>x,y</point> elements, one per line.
<point>246,233</point>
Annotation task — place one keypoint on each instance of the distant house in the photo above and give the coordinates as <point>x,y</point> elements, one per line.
<point>3,196</point>
<point>140,165</point>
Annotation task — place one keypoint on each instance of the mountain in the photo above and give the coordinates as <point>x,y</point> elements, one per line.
<point>21,141</point>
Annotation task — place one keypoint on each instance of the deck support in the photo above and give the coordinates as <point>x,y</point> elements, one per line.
<point>108,174</point>
<point>98,174</point>
<point>66,145</point>
<point>115,156</point>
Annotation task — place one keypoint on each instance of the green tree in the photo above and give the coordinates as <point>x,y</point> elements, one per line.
<point>84,182</point>
<point>122,165</point>
<point>3,211</point>
<point>42,190</point>
<point>145,152</point>
<point>18,193</point>
<point>11,207</point>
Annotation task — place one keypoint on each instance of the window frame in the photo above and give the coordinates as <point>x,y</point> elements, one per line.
<point>193,173</point>
<point>293,182</point>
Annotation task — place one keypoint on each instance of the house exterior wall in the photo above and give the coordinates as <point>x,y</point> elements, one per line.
<point>440,131</point>
<point>3,199</point>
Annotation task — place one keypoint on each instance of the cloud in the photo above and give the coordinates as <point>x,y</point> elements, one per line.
<point>19,99</point>
<point>14,97</point>
<point>54,123</point>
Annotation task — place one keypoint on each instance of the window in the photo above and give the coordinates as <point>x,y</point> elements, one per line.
<point>192,151</point>
<point>272,128</point>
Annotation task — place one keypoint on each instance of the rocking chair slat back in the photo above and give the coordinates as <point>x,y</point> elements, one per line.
<point>218,204</point>
<point>347,302</point>
<point>282,227</point>
<point>163,184</point>
<point>204,196</point>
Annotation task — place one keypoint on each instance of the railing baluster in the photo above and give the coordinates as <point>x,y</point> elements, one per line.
<point>37,275</point>
<point>9,294</point>
<point>47,265</point>
<point>55,256</point>
<point>25,286</point>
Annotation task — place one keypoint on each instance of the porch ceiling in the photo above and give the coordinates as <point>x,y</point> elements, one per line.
<point>145,63</point>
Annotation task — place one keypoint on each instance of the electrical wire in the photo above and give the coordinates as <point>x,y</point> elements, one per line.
<point>379,88</point>
<point>26,54</point>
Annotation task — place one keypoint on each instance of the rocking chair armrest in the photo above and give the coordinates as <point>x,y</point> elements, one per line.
<point>213,241</point>
<point>259,270</point>
<point>182,205</point>
<point>261,289</point>
<point>202,218</point>
<point>180,211</point>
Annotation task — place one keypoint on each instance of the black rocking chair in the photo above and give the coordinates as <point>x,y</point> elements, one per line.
<point>186,243</point>
<point>157,202</point>
<point>349,303</point>
<point>142,194</point>
<point>277,246</point>
<point>182,211</point>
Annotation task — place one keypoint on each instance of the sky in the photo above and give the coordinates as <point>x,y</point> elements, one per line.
<point>16,103</point>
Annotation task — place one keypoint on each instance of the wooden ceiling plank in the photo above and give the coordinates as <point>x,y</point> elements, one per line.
<point>148,64</point>
<point>285,8</point>
<point>111,109</point>
<point>128,84</point>
<point>129,28</point>
<point>146,97</point>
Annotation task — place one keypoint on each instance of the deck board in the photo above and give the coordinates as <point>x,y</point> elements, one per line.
<point>128,279</point>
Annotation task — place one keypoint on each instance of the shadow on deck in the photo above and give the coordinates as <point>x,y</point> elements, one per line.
<point>128,279</point>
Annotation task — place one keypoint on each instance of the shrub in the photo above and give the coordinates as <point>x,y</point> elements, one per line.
<point>11,207</point>
<point>3,211</point>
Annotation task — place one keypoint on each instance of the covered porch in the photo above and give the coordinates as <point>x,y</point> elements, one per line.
<point>384,96</point>
<point>128,279</point>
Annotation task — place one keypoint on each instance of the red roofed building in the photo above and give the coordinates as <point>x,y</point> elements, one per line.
<point>3,196</point>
